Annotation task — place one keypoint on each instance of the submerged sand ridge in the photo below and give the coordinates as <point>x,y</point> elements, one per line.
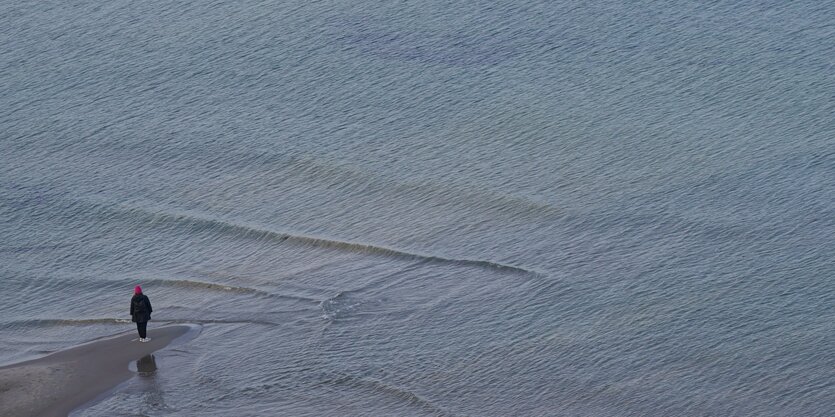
<point>56,384</point>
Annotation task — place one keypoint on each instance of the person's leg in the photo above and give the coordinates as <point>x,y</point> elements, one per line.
<point>143,329</point>
<point>139,329</point>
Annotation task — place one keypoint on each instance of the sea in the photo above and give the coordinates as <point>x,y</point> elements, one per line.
<point>427,208</point>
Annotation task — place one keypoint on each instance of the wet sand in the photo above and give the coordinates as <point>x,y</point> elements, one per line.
<point>60,382</point>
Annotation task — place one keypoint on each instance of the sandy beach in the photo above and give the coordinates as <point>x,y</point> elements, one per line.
<point>60,382</point>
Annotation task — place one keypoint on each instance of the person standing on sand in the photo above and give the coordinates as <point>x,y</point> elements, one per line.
<point>140,311</point>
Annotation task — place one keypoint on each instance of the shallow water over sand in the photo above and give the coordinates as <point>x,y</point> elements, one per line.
<point>428,209</point>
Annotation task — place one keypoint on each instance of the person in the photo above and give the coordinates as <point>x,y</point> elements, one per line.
<point>140,311</point>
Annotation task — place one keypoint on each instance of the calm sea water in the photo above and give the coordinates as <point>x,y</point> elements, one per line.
<point>428,208</point>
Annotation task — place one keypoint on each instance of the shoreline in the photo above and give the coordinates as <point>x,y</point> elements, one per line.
<point>62,381</point>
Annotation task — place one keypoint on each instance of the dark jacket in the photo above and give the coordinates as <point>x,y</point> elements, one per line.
<point>140,308</point>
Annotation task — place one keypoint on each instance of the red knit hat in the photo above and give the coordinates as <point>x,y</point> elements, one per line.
<point>137,290</point>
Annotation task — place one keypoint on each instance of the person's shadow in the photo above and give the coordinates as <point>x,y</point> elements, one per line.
<point>146,366</point>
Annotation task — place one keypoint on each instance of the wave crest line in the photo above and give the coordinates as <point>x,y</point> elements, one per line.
<point>202,221</point>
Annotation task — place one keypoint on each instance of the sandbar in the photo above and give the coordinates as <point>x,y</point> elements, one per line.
<point>62,381</point>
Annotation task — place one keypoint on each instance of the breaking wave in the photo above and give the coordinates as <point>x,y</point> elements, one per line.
<point>248,230</point>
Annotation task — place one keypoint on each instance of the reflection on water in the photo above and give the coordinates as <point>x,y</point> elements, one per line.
<point>146,366</point>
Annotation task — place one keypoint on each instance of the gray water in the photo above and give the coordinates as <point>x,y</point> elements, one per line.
<point>428,208</point>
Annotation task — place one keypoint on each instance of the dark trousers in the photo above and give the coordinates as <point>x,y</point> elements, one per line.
<point>142,327</point>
